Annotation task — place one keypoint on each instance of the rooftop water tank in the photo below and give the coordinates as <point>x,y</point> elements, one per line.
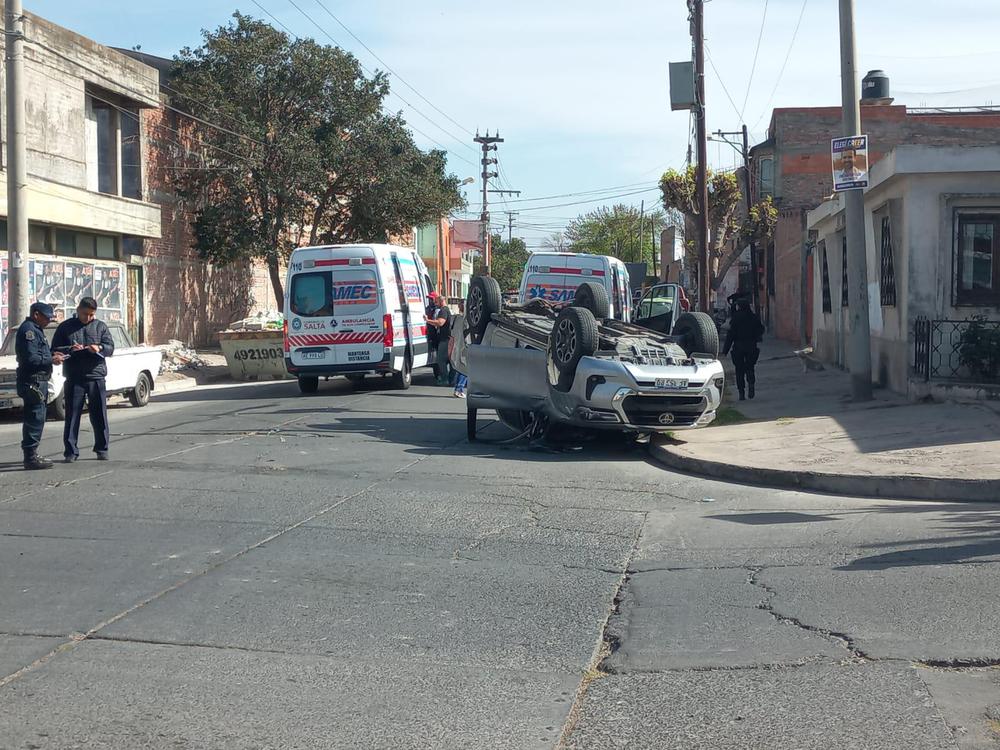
<point>875,88</point>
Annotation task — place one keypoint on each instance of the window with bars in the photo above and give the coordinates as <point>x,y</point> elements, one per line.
<point>887,284</point>
<point>843,268</point>
<point>827,304</point>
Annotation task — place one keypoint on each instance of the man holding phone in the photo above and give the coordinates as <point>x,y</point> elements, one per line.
<point>87,342</point>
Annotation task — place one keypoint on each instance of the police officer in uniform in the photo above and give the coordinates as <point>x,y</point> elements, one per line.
<point>34,369</point>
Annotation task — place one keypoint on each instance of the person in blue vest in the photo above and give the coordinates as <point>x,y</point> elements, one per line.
<point>88,343</point>
<point>34,370</point>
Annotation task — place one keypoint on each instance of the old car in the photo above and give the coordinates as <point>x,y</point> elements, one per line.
<point>574,364</point>
<point>132,372</point>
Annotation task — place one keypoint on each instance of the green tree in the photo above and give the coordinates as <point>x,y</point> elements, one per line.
<point>730,227</point>
<point>508,261</point>
<point>305,153</point>
<point>620,231</point>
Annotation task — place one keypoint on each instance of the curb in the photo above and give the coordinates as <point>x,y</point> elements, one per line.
<point>186,384</point>
<point>874,486</point>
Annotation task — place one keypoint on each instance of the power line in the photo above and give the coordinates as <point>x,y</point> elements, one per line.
<point>591,200</point>
<point>781,73</point>
<point>398,76</point>
<point>140,94</point>
<point>393,93</point>
<point>722,83</point>
<point>753,68</point>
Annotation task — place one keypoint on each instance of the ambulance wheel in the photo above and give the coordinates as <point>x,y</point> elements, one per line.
<point>470,424</point>
<point>573,337</point>
<point>593,297</point>
<point>308,384</point>
<point>484,299</point>
<point>401,380</point>
<point>356,380</point>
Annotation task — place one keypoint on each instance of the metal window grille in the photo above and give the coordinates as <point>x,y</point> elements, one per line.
<point>827,303</point>
<point>843,267</point>
<point>888,279</point>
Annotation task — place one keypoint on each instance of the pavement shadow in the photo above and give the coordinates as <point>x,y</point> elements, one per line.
<point>444,435</point>
<point>968,532</point>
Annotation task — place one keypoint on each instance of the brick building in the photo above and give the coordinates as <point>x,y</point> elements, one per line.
<point>793,166</point>
<point>186,298</point>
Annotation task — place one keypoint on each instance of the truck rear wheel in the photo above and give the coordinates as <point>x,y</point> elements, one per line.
<point>573,337</point>
<point>593,297</point>
<point>483,301</point>
<point>698,334</point>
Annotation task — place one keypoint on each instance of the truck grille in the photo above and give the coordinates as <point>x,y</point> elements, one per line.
<point>647,410</point>
<point>652,356</point>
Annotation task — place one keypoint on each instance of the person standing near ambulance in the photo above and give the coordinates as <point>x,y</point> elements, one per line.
<point>440,320</point>
<point>34,370</point>
<point>88,343</point>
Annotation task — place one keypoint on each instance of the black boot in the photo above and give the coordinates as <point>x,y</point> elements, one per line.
<point>743,396</point>
<point>751,389</point>
<point>34,462</point>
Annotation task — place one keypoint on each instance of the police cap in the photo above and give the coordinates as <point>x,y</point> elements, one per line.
<point>44,308</point>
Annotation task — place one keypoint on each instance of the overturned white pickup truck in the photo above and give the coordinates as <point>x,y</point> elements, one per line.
<point>575,365</point>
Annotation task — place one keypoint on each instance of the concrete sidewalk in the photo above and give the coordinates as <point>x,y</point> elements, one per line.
<point>803,432</point>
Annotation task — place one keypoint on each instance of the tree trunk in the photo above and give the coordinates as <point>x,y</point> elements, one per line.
<point>275,273</point>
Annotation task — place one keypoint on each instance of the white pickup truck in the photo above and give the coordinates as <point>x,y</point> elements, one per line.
<point>132,371</point>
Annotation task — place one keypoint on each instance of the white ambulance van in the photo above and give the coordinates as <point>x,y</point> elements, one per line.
<point>355,310</point>
<point>556,277</point>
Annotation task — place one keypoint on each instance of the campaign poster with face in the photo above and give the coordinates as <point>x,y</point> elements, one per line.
<point>3,297</point>
<point>107,287</point>
<point>47,276</point>
<point>110,316</point>
<point>79,283</point>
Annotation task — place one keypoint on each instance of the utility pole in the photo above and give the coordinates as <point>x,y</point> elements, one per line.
<point>642,225</point>
<point>488,143</point>
<point>17,173</point>
<point>697,8</point>
<point>859,356</point>
<point>510,225</point>
<point>745,152</point>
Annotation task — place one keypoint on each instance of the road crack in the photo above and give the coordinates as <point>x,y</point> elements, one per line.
<point>840,639</point>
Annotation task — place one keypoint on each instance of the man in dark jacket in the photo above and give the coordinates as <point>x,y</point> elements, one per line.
<point>87,342</point>
<point>34,370</point>
<point>745,332</point>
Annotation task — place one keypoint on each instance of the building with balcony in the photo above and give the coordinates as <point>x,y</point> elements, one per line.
<point>88,207</point>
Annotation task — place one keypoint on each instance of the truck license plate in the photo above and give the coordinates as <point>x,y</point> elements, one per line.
<point>672,384</point>
<point>313,355</point>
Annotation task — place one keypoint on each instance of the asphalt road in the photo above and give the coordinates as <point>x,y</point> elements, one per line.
<point>256,569</point>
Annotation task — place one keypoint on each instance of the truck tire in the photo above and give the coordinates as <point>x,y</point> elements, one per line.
<point>594,297</point>
<point>57,407</point>
<point>356,379</point>
<point>573,337</point>
<point>401,380</point>
<point>483,301</point>
<point>308,384</point>
<point>139,396</point>
<point>697,333</point>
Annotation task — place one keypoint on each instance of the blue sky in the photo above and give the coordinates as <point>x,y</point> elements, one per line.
<point>578,88</point>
